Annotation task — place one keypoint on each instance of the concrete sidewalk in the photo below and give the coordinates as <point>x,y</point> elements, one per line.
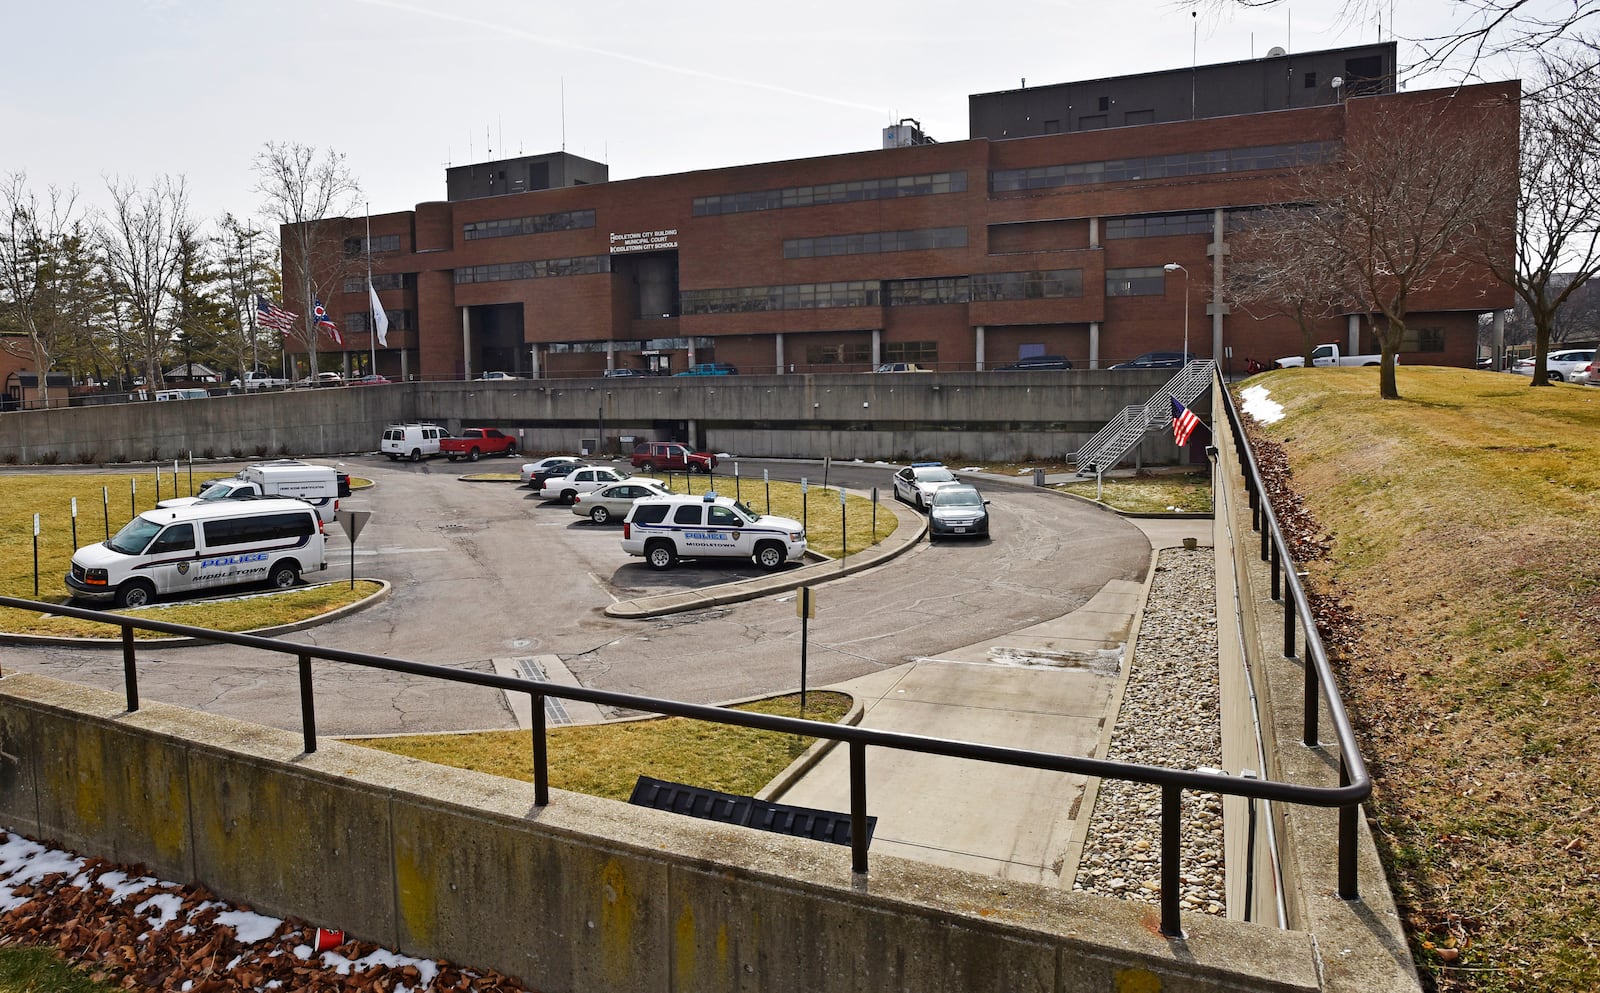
<point>1054,686</point>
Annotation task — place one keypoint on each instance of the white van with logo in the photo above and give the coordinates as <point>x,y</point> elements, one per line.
<point>201,547</point>
<point>414,441</point>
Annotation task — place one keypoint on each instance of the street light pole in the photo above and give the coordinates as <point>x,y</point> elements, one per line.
<point>1170,267</point>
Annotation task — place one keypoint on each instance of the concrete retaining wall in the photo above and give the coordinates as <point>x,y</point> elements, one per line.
<point>951,416</point>
<point>582,896</point>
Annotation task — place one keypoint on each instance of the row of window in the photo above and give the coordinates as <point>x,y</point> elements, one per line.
<point>583,265</point>
<point>382,281</point>
<point>1040,284</point>
<point>1159,225</point>
<point>399,320</point>
<point>856,191</point>
<point>1163,166</point>
<point>872,242</point>
<point>361,246</point>
<point>566,220</point>
<point>1147,281</point>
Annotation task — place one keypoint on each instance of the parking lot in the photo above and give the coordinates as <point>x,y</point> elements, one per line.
<point>484,570</point>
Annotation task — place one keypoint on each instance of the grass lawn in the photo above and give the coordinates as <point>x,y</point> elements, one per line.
<point>1159,493</point>
<point>828,530</point>
<point>605,759</point>
<point>107,502</point>
<point>1462,520</point>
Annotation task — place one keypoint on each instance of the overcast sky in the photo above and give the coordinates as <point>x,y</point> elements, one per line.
<point>141,88</point>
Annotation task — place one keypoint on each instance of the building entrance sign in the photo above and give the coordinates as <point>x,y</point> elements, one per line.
<point>643,241</point>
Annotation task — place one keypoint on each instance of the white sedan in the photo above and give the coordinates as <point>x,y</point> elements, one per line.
<point>1567,364</point>
<point>612,502</point>
<point>582,480</point>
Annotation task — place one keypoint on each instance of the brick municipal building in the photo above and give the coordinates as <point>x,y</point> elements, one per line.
<point>1048,232</point>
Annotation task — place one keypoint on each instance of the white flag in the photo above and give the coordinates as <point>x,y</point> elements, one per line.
<point>379,318</point>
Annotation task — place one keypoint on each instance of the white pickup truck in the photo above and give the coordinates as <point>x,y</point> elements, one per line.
<point>253,380</point>
<point>1329,355</point>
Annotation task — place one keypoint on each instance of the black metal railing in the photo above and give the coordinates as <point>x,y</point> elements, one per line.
<point>1354,787</point>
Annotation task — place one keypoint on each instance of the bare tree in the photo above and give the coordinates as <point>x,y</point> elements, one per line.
<point>1281,266</point>
<point>244,258</point>
<point>1406,209</point>
<point>306,193</point>
<point>42,270</point>
<point>1557,248</point>
<point>144,243</point>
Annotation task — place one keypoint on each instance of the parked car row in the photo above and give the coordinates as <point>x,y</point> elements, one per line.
<point>1571,365</point>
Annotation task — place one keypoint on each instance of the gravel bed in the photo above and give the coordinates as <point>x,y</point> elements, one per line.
<point>1169,717</point>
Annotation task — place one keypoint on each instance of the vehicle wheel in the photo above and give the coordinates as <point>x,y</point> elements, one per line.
<point>661,556</point>
<point>769,556</point>
<point>569,497</point>
<point>416,455</point>
<point>283,576</point>
<point>511,452</point>
<point>472,456</point>
<point>600,515</point>
<point>451,457</point>
<point>647,466</point>
<point>135,593</point>
<point>1555,377</point>
<point>394,457</point>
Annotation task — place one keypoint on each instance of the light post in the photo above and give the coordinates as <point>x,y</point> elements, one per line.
<point>1171,267</point>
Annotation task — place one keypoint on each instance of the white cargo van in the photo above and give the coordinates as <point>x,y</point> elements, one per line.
<point>317,485</point>
<point>412,440</point>
<point>201,547</point>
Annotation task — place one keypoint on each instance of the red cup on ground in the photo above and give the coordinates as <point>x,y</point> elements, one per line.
<point>328,938</point>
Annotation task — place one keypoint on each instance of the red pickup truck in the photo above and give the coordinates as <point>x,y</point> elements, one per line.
<point>475,442</point>
<point>653,455</point>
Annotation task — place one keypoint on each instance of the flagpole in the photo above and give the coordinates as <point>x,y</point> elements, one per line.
<point>372,318</point>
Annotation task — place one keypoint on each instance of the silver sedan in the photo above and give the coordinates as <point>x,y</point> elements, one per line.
<point>612,503</point>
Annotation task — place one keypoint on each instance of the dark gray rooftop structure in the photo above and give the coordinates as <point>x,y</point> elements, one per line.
<point>523,174</point>
<point>1278,81</point>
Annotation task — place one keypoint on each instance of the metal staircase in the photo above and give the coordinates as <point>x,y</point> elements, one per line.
<point>1124,432</point>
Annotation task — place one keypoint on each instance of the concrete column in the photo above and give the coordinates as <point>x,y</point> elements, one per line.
<point>877,346</point>
<point>1218,251</point>
<point>534,372</point>
<point>1094,232</point>
<point>1094,344</point>
<point>1353,334</point>
<point>1498,340</point>
<point>466,343</point>
<point>777,348</point>
<point>405,365</point>
<point>977,345</point>
<point>691,350</point>
<point>611,355</point>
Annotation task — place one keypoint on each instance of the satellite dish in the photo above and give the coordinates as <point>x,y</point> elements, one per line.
<point>1275,51</point>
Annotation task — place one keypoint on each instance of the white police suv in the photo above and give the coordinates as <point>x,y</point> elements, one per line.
<point>668,528</point>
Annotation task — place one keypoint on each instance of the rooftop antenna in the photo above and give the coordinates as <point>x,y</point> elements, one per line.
<point>563,113</point>
<point>1194,61</point>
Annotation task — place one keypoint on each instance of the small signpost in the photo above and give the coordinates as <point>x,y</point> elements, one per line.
<point>844,531</point>
<point>805,510</point>
<point>74,523</point>
<point>768,484</point>
<point>352,521</point>
<point>36,557</point>
<point>805,606</point>
<point>105,507</point>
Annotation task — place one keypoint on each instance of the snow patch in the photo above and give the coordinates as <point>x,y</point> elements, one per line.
<point>1258,404</point>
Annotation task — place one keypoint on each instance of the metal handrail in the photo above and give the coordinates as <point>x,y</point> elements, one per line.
<point>1354,788</point>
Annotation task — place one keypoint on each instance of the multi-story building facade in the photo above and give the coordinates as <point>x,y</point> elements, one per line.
<point>955,256</point>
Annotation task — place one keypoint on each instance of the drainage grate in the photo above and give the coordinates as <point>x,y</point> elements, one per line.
<point>554,712</point>
<point>729,808</point>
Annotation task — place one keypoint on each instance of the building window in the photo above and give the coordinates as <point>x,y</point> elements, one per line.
<point>1145,282</point>
<point>924,352</point>
<point>382,281</point>
<point>382,243</point>
<point>852,192</point>
<point>1032,285</point>
<point>566,220</point>
<point>1159,225</point>
<point>1104,104</point>
<point>399,320</point>
<point>1163,166</point>
<point>1423,340</point>
<point>916,292</point>
<point>585,265</point>
<point>850,353</point>
<point>872,242</point>
<point>800,296</point>
<point>1311,80</point>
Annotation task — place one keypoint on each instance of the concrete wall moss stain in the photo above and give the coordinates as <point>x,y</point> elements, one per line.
<point>1137,981</point>
<point>618,905</point>
<point>683,951</point>
<point>87,775</point>
<point>415,891</point>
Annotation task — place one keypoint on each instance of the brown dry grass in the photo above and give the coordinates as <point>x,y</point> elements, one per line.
<point>1463,521</point>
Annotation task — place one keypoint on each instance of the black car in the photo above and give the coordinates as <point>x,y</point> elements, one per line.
<point>1157,360</point>
<point>958,512</point>
<point>554,470</point>
<point>1036,362</point>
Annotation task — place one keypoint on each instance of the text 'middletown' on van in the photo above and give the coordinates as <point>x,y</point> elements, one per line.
<point>199,547</point>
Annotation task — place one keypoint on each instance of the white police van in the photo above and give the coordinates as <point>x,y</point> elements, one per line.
<point>666,528</point>
<point>200,547</point>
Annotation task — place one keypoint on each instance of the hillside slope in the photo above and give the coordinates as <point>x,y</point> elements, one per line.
<point>1464,539</point>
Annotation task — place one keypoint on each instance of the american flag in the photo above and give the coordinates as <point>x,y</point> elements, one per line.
<point>1183,423</point>
<point>270,315</point>
<point>324,321</point>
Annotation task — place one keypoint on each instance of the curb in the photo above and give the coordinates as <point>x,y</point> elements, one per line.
<point>749,589</point>
<point>54,641</point>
